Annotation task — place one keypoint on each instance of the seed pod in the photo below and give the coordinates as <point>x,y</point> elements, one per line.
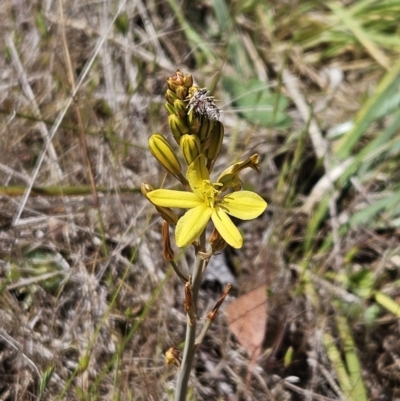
<point>190,146</point>
<point>165,155</point>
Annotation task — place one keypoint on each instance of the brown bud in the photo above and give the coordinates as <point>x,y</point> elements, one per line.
<point>168,252</point>
<point>168,215</point>
<point>213,313</point>
<point>188,80</point>
<point>176,80</point>
<point>172,356</point>
<point>145,188</point>
<point>189,306</point>
<point>217,243</point>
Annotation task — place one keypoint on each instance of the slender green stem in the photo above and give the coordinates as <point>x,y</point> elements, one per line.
<point>211,316</point>
<point>203,332</point>
<point>18,190</point>
<point>189,350</point>
<point>183,277</point>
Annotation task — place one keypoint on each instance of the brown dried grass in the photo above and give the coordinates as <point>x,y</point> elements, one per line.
<point>101,313</point>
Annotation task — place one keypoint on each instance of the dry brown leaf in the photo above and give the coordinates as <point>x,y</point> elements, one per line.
<point>247,318</point>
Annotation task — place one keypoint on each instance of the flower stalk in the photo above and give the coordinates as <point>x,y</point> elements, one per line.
<point>190,340</point>
<point>194,122</point>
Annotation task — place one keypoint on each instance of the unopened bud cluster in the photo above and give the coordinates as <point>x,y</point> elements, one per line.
<point>193,119</point>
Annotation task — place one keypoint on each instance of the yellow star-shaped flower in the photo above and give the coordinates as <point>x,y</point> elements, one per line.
<point>206,202</point>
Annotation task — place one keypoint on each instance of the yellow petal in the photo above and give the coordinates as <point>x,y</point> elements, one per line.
<point>245,205</point>
<point>235,168</point>
<point>230,176</point>
<point>192,224</point>
<point>171,198</point>
<point>226,228</point>
<point>196,173</point>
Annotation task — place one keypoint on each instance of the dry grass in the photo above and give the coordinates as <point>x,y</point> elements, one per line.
<point>88,306</point>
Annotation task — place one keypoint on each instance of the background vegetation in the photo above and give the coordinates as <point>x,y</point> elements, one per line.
<point>87,305</point>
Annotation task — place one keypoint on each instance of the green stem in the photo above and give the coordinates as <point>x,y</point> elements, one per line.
<point>203,332</point>
<point>18,190</point>
<point>183,277</point>
<point>190,349</point>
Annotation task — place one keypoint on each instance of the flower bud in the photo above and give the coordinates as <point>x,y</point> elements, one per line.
<point>176,80</point>
<point>199,164</point>
<point>192,90</point>
<point>230,181</point>
<point>172,356</point>
<point>188,80</point>
<point>180,108</point>
<point>171,96</point>
<point>178,126</point>
<point>181,92</point>
<point>229,178</point>
<point>194,123</point>
<point>205,131</point>
<point>213,312</point>
<point>190,146</point>
<point>145,188</point>
<point>216,139</point>
<point>168,252</point>
<point>165,155</point>
<point>170,109</point>
<point>168,215</point>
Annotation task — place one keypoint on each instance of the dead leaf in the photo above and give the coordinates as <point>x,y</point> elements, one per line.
<point>247,318</point>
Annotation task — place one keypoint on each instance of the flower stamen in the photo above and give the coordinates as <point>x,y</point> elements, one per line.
<point>209,193</point>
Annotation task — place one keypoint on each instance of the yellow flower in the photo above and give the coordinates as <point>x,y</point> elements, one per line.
<point>206,202</point>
